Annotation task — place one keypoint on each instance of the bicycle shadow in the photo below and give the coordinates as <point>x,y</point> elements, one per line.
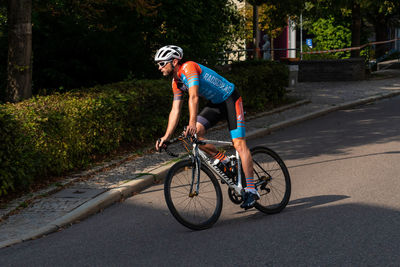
<point>304,203</point>
<point>309,202</point>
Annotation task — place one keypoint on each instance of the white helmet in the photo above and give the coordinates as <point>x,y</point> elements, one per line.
<point>168,52</point>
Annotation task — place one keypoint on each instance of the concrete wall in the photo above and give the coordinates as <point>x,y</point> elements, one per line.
<point>331,70</point>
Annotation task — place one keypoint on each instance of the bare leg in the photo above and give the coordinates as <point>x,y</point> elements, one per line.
<point>251,194</point>
<point>210,149</point>
<point>245,155</point>
<point>239,144</point>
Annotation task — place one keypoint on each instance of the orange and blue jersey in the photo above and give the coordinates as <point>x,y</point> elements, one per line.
<point>212,86</point>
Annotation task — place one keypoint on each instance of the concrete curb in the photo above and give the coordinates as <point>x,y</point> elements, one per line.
<point>128,189</point>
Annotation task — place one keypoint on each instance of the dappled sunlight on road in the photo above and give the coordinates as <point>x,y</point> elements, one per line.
<point>336,158</point>
<point>339,132</point>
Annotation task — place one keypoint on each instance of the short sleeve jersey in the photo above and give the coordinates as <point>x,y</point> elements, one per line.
<point>212,86</point>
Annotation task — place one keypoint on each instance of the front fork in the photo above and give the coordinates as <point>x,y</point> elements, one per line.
<point>195,172</point>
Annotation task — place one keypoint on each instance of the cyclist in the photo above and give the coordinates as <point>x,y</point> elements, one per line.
<point>224,102</point>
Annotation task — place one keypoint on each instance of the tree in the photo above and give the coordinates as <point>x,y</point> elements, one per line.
<point>355,28</point>
<point>339,10</point>
<point>255,22</point>
<point>273,16</point>
<point>81,43</point>
<point>330,34</point>
<point>381,14</point>
<point>3,49</point>
<point>278,11</point>
<point>19,67</point>
<point>183,22</point>
<point>86,42</point>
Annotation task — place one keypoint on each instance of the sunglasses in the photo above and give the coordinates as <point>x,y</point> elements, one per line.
<point>163,63</point>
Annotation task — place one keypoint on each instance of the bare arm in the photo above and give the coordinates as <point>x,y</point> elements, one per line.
<point>193,109</point>
<point>172,123</point>
<point>173,118</point>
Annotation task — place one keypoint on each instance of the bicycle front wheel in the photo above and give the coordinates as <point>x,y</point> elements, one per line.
<point>273,180</point>
<point>195,211</point>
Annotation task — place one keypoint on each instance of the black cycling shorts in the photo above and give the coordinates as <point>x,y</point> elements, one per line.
<point>231,109</point>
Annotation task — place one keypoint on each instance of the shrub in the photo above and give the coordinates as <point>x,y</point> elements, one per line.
<point>50,135</point>
<point>261,83</point>
<point>17,169</point>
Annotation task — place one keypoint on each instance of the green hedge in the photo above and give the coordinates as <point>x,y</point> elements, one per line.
<point>51,135</point>
<point>260,83</point>
<point>17,167</point>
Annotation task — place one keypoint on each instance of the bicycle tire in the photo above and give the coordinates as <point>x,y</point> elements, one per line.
<point>275,194</point>
<point>176,192</point>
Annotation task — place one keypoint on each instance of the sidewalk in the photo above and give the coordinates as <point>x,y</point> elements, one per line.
<point>86,193</point>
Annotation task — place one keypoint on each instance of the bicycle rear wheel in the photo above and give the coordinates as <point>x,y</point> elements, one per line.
<point>195,212</point>
<point>271,172</point>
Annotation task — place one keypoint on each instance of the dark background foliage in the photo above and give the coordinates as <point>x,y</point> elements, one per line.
<point>88,42</point>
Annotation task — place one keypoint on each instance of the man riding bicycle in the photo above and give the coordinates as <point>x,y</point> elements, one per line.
<point>224,102</point>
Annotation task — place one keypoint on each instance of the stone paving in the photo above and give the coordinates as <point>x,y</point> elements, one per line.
<point>49,204</point>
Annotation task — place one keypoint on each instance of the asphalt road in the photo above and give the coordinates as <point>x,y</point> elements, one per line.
<point>344,209</point>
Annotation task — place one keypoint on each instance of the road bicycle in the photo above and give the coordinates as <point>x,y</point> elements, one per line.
<point>192,191</point>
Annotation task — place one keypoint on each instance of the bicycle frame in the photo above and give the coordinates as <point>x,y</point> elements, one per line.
<point>200,210</point>
<point>198,156</point>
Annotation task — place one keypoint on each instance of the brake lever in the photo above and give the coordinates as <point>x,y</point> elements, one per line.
<point>195,140</point>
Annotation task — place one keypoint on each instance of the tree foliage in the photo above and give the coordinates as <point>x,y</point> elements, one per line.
<point>380,14</point>
<point>86,42</point>
<point>273,15</point>
<point>268,21</point>
<point>202,28</point>
<point>370,8</point>
<point>355,15</point>
<point>81,43</point>
<point>3,50</point>
<point>329,34</point>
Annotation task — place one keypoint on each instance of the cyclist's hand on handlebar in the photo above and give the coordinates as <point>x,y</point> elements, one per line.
<point>191,130</point>
<point>160,144</point>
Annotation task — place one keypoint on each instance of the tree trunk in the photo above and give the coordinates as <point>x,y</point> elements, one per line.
<point>19,79</point>
<point>355,28</point>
